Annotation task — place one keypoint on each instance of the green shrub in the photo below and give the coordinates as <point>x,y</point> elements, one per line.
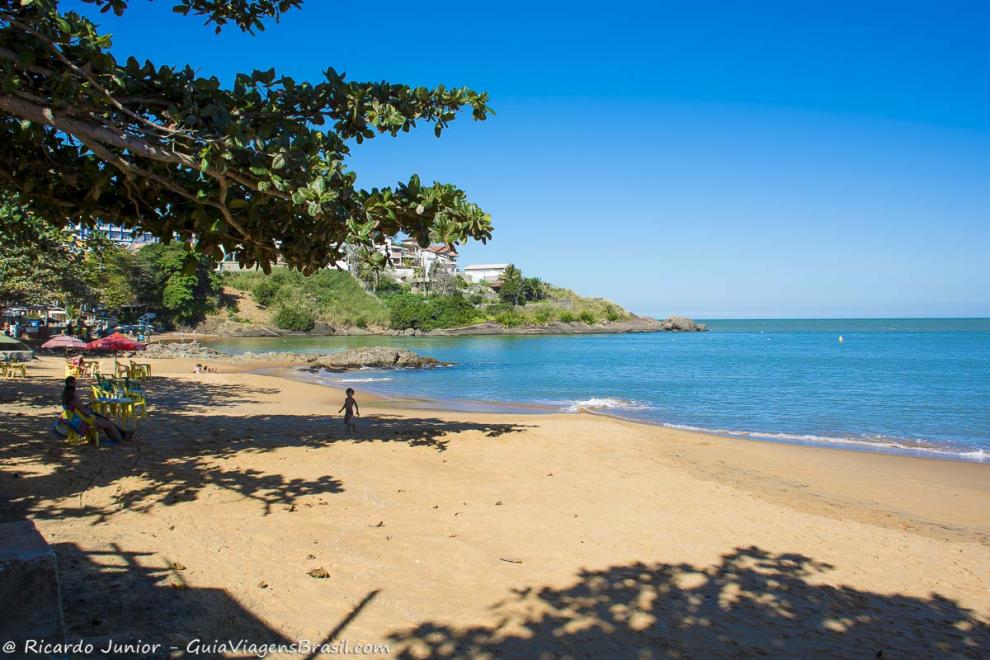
<point>510,319</point>
<point>494,309</point>
<point>541,314</point>
<point>452,312</point>
<point>587,316</point>
<point>243,280</point>
<point>387,285</point>
<point>408,310</point>
<point>294,318</point>
<point>568,317</point>
<point>265,291</point>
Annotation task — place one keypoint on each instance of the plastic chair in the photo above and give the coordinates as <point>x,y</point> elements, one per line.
<point>78,428</point>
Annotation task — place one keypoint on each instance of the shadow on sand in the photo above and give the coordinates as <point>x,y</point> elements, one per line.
<point>176,456</point>
<point>127,596</point>
<point>752,603</point>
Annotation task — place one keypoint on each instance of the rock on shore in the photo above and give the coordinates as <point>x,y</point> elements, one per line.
<point>376,356</point>
<point>385,357</point>
<point>629,325</point>
<point>182,349</point>
<point>682,324</point>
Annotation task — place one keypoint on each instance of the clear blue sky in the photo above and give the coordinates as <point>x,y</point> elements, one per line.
<point>715,159</point>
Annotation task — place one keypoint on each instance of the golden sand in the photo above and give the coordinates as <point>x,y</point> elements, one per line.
<point>244,511</point>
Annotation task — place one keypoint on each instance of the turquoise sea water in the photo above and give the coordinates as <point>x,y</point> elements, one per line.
<point>919,386</point>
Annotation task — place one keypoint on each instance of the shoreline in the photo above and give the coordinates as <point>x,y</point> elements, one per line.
<point>635,325</point>
<point>408,401</point>
<point>489,532</point>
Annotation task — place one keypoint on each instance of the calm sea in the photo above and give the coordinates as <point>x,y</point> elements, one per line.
<point>917,386</point>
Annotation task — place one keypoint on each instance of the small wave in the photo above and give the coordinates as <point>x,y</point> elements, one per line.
<point>877,443</point>
<point>604,403</point>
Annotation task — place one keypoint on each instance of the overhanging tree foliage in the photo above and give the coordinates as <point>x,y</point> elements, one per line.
<point>39,263</point>
<point>258,168</point>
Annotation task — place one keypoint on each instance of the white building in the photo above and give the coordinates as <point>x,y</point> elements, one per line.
<point>406,257</point>
<point>116,233</point>
<point>484,273</point>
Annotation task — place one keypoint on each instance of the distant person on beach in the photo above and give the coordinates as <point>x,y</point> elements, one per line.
<point>198,369</point>
<point>73,403</point>
<point>352,408</point>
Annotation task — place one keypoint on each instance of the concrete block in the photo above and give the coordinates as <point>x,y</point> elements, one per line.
<point>30,600</point>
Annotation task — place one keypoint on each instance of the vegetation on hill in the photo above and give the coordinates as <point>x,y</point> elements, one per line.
<point>297,302</point>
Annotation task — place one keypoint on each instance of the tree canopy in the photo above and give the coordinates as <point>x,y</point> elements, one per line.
<point>258,168</point>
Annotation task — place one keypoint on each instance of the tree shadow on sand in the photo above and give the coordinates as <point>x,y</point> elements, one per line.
<point>176,455</point>
<point>127,596</point>
<point>753,602</point>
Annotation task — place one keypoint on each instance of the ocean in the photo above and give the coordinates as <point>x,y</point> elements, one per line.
<point>907,386</point>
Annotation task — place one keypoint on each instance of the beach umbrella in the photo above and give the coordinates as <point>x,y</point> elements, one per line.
<point>65,341</point>
<point>115,342</point>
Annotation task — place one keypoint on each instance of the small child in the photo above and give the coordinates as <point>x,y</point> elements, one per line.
<point>351,406</point>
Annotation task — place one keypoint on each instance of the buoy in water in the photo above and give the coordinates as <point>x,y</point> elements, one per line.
<point>841,339</point>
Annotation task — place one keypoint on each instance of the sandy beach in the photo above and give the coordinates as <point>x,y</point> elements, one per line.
<point>465,534</point>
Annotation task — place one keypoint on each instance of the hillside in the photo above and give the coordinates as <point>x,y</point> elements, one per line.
<point>335,302</point>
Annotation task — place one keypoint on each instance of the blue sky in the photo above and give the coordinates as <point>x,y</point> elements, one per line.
<point>715,159</point>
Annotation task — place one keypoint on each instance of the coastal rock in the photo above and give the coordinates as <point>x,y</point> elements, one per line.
<point>233,329</point>
<point>682,324</point>
<point>630,325</point>
<point>376,356</point>
<point>179,349</point>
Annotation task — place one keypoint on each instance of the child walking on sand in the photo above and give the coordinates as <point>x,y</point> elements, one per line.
<point>352,408</point>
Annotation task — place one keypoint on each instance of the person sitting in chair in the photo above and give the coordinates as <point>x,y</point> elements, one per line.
<point>73,403</point>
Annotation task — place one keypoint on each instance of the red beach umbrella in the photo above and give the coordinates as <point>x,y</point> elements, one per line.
<point>65,341</point>
<point>115,342</point>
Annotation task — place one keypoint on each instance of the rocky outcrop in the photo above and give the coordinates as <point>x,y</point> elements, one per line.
<point>631,325</point>
<point>380,357</point>
<point>682,324</point>
<point>182,349</point>
<point>234,329</point>
<point>375,356</point>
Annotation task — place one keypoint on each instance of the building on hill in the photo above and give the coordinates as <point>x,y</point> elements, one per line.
<point>406,257</point>
<point>119,234</point>
<point>484,273</point>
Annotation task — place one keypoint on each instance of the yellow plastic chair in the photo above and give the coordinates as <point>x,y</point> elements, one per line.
<point>139,404</point>
<point>118,404</point>
<point>140,370</point>
<point>73,436</point>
